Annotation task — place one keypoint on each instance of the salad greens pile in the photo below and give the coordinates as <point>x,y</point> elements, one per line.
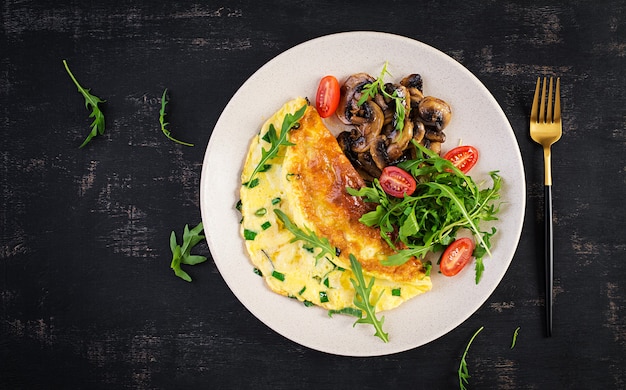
<point>445,200</point>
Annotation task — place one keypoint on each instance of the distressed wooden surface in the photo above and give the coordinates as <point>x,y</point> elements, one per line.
<point>87,298</point>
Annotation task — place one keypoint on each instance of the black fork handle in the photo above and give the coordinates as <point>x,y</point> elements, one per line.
<point>549,253</point>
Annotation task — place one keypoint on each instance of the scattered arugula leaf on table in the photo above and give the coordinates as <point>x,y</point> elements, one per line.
<point>164,124</point>
<point>182,255</point>
<point>276,141</point>
<point>362,300</point>
<point>463,370</point>
<point>91,101</point>
<point>515,333</point>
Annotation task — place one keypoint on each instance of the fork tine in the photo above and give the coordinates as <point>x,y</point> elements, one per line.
<point>542,106</point>
<point>549,110</point>
<point>534,111</point>
<point>557,101</point>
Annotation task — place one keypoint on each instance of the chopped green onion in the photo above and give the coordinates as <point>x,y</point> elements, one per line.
<point>308,303</point>
<point>249,234</point>
<point>257,271</point>
<point>278,275</point>
<point>276,201</point>
<point>260,212</point>
<point>238,205</point>
<point>351,311</point>
<point>326,282</point>
<point>323,297</point>
<point>396,292</point>
<point>302,291</point>
<point>266,225</point>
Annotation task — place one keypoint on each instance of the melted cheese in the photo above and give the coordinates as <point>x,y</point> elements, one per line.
<point>307,182</point>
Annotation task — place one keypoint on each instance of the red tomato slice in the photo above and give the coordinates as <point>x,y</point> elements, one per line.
<point>463,157</point>
<point>327,98</point>
<point>456,256</point>
<point>397,182</point>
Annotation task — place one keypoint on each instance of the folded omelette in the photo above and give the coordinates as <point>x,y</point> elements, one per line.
<point>307,181</point>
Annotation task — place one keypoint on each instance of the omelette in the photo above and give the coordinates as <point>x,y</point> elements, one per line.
<point>306,180</point>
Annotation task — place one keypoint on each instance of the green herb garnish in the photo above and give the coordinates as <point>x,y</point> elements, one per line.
<point>97,126</point>
<point>362,300</point>
<point>444,201</point>
<point>278,275</point>
<point>276,141</point>
<point>164,124</point>
<point>181,254</point>
<point>515,333</point>
<point>463,371</point>
<point>308,236</point>
<point>351,311</point>
<point>370,91</point>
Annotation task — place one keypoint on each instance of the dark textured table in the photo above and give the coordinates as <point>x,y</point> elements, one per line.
<point>88,299</point>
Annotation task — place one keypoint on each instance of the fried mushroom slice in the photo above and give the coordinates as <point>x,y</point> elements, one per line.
<point>350,95</point>
<point>435,112</point>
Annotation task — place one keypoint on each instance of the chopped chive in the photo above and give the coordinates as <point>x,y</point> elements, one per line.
<point>260,212</point>
<point>238,205</point>
<point>395,292</point>
<point>252,183</point>
<point>249,234</point>
<point>302,291</point>
<point>326,282</point>
<point>351,311</point>
<point>323,297</point>
<point>278,275</point>
<point>266,225</point>
<point>257,271</point>
<point>308,303</point>
<point>276,201</point>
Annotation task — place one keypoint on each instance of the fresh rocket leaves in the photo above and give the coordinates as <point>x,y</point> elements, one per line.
<point>370,91</point>
<point>91,102</point>
<point>362,300</point>
<point>164,124</point>
<point>307,236</point>
<point>276,141</point>
<point>444,201</point>
<point>463,370</point>
<point>181,254</point>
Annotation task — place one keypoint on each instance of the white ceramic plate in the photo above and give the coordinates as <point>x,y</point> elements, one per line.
<point>477,120</point>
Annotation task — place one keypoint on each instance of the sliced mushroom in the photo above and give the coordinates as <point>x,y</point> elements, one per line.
<point>435,112</point>
<point>350,95</point>
<point>413,84</point>
<point>401,141</point>
<point>434,135</point>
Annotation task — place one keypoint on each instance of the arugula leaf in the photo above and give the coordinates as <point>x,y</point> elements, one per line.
<point>276,141</point>
<point>307,236</point>
<point>370,91</point>
<point>164,124</point>
<point>463,370</point>
<point>362,300</point>
<point>515,333</point>
<point>97,126</point>
<point>181,254</point>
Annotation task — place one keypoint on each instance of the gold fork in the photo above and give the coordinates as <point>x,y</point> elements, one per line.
<point>546,129</point>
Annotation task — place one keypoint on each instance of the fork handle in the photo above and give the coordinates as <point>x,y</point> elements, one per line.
<point>549,252</point>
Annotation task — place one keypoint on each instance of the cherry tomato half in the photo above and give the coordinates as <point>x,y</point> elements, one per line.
<point>327,98</point>
<point>397,182</point>
<point>463,157</point>
<point>456,256</point>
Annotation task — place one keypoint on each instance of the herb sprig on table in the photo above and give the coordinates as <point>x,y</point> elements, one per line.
<point>444,201</point>
<point>91,102</point>
<point>182,254</point>
<point>164,124</point>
